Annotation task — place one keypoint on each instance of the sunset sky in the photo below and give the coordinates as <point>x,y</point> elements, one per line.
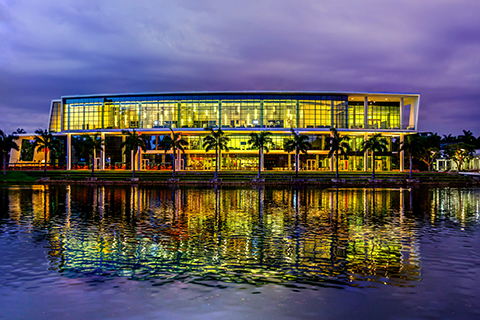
<point>54,48</point>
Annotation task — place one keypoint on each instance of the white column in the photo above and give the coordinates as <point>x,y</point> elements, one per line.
<point>261,159</point>
<point>402,154</point>
<point>365,113</point>
<point>69,152</point>
<point>401,113</point>
<point>132,159</point>
<point>139,159</point>
<point>102,152</point>
<point>365,154</point>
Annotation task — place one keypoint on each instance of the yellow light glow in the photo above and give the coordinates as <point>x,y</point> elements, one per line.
<point>206,113</point>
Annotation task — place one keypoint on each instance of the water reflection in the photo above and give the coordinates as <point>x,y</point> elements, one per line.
<point>213,236</point>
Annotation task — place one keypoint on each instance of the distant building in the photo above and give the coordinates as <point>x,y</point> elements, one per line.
<point>358,114</point>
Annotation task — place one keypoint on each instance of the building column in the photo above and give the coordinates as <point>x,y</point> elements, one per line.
<point>69,152</point>
<point>139,159</point>
<point>331,158</point>
<point>365,113</point>
<point>289,161</point>
<point>365,154</point>
<point>402,154</point>
<point>401,113</point>
<point>132,160</point>
<point>261,159</point>
<point>102,152</point>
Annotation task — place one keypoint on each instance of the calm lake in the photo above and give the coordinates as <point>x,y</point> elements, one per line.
<point>124,252</point>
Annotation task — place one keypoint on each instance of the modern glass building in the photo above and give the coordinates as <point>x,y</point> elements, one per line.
<point>313,113</point>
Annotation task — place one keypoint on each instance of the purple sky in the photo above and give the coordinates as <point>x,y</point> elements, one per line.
<point>54,48</point>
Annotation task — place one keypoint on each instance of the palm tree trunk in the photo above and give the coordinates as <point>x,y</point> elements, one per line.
<point>336,158</point>
<point>173,165</point>
<point>216,163</point>
<point>260,153</point>
<point>4,164</point>
<point>373,165</point>
<point>45,170</point>
<point>93,164</point>
<point>133,164</point>
<point>296,162</point>
<point>411,167</point>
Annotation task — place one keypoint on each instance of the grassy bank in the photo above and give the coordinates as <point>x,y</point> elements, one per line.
<point>241,177</point>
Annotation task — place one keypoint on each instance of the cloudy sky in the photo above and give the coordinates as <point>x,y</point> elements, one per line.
<point>53,48</point>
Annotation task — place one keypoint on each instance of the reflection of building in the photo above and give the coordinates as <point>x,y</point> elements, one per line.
<point>239,235</point>
<point>357,114</point>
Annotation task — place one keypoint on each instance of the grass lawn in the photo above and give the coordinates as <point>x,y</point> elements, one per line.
<point>14,176</point>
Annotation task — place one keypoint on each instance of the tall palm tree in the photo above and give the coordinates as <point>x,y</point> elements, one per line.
<point>375,143</point>
<point>44,142</point>
<point>133,142</point>
<point>173,142</point>
<point>413,145</point>
<point>337,144</point>
<point>298,143</point>
<point>7,143</point>
<point>218,141</point>
<point>92,144</point>
<point>260,141</point>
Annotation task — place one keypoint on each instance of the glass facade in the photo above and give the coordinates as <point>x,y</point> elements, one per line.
<point>55,124</point>
<point>238,114</point>
<point>202,111</point>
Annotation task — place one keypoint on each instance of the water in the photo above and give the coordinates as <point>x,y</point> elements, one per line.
<point>77,252</point>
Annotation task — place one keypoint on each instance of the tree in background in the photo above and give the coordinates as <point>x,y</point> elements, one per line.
<point>218,141</point>
<point>375,143</point>
<point>459,153</point>
<point>412,145</point>
<point>430,150</point>
<point>337,145</point>
<point>298,143</point>
<point>173,142</point>
<point>133,142</point>
<point>260,141</point>
<point>7,143</point>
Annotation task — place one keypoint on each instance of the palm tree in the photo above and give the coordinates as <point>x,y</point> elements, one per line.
<point>298,143</point>
<point>218,141</point>
<point>260,141</point>
<point>375,143</point>
<point>92,144</point>
<point>173,142</point>
<point>44,142</point>
<point>133,142</point>
<point>413,145</point>
<point>7,143</point>
<point>337,144</point>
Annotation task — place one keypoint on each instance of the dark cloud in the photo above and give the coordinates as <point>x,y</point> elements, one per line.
<point>54,48</point>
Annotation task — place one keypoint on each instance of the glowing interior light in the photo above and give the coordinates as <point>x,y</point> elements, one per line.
<point>206,113</point>
<point>248,119</point>
<point>189,119</point>
<point>238,109</point>
<point>116,121</point>
<point>182,122</point>
<point>225,118</point>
